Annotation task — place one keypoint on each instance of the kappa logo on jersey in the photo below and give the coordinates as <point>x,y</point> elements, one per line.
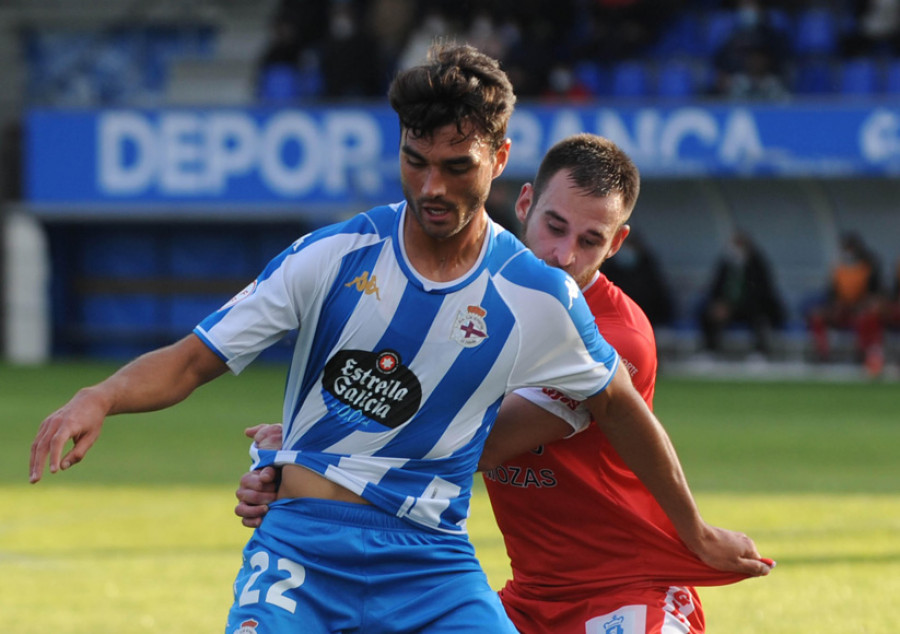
<point>365,284</point>
<point>469,327</point>
<point>371,386</point>
<point>247,627</point>
<point>572,287</point>
<point>248,290</point>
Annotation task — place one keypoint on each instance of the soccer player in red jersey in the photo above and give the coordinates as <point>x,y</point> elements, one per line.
<point>591,550</point>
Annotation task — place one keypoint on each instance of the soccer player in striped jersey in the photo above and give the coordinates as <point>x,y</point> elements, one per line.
<point>414,320</point>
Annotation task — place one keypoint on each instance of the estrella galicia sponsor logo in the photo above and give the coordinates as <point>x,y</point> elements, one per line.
<point>372,386</point>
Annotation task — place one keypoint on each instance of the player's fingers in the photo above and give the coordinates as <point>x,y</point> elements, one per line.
<point>250,511</point>
<point>251,432</point>
<point>269,437</point>
<point>757,567</point>
<point>267,475</point>
<point>39,449</point>
<point>252,523</point>
<point>262,480</point>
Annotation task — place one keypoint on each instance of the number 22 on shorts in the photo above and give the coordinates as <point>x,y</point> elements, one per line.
<point>275,595</point>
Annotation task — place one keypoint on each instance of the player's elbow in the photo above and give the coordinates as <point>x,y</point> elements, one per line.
<point>490,457</point>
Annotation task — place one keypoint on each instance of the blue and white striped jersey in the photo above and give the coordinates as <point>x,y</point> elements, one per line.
<point>395,380</point>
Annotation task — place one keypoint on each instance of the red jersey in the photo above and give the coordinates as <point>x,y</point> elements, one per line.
<point>576,521</point>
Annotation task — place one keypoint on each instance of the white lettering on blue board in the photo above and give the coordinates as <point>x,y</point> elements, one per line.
<point>200,153</point>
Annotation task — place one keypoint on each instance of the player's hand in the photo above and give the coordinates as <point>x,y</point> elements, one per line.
<point>256,491</point>
<point>78,420</point>
<point>265,436</point>
<point>732,551</point>
<point>258,488</point>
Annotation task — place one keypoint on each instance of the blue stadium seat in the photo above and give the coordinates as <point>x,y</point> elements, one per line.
<point>719,27</point>
<point>814,77</point>
<point>892,77</point>
<point>591,76</point>
<point>676,78</point>
<point>684,36</point>
<point>859,76</point>
<point>816,32</point>
<point>279,83</point>
<point>630,78</point>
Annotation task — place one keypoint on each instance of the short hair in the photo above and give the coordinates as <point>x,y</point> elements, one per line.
<point>455,85</point>
<point>596,165</point>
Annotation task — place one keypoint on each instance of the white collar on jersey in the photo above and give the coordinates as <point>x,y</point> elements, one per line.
<point>591,283</point>
<point>431,285</point>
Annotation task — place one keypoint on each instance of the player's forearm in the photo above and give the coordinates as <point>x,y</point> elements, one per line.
<point>158,379</point>
<point>642,442</point>
<point>520,426</point>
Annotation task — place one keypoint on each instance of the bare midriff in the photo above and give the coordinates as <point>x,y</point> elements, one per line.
<point>300,482</point>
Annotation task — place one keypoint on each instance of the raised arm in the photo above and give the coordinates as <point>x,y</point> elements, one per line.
<point>151,382</point>
<point>644,445</point>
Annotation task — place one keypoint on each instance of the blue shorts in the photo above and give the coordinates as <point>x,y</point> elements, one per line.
<point>318,566</point>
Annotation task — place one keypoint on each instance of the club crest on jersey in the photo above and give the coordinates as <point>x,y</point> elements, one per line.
<point>359,386</point>
<point>247,627</point>
<point>469,327</point>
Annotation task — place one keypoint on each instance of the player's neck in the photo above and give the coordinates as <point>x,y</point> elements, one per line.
<point>446,259</point>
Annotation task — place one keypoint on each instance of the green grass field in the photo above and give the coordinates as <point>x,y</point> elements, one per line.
<point>141,536</point>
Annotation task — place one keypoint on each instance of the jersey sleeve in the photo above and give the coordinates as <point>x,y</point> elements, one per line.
<point>573,412</point>
<point>560,346</point>
<point>269,307</point>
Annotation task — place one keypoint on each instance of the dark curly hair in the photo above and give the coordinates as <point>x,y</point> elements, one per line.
<point>457,84</point>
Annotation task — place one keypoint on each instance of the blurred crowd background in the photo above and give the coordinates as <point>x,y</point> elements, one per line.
<point>128,53</point>
<point>753,270</point>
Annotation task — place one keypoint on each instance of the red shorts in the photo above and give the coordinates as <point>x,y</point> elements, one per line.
<point>673,610</point>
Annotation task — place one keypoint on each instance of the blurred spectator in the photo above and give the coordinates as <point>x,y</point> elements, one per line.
<point>434,23</point>
<point>610,30</point>
<point>892,311</point>
<point>563,85</point>
<point>391,22</point>
<point>284,45</point>
<point>877,29</point>
<point>752,62</point>
<point>636,271</point>
<point>742,292</point>
<point>349,57</point>
<point>853,300</point>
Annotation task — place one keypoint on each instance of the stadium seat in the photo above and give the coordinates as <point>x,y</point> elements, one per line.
<point>675,78</point>
<point>814,77</point>
<point>892,77</point>
<point>630,78</point>
<point>816,32</point>
<point>719,27</point>
<point>682,37</point>
<point>590,75</point>
<point>859,76</point>
<point>279,83</point>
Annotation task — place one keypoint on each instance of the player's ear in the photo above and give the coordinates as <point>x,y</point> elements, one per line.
<point>523,202</point>
<point>618,240</point>
<point>501,158</point>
